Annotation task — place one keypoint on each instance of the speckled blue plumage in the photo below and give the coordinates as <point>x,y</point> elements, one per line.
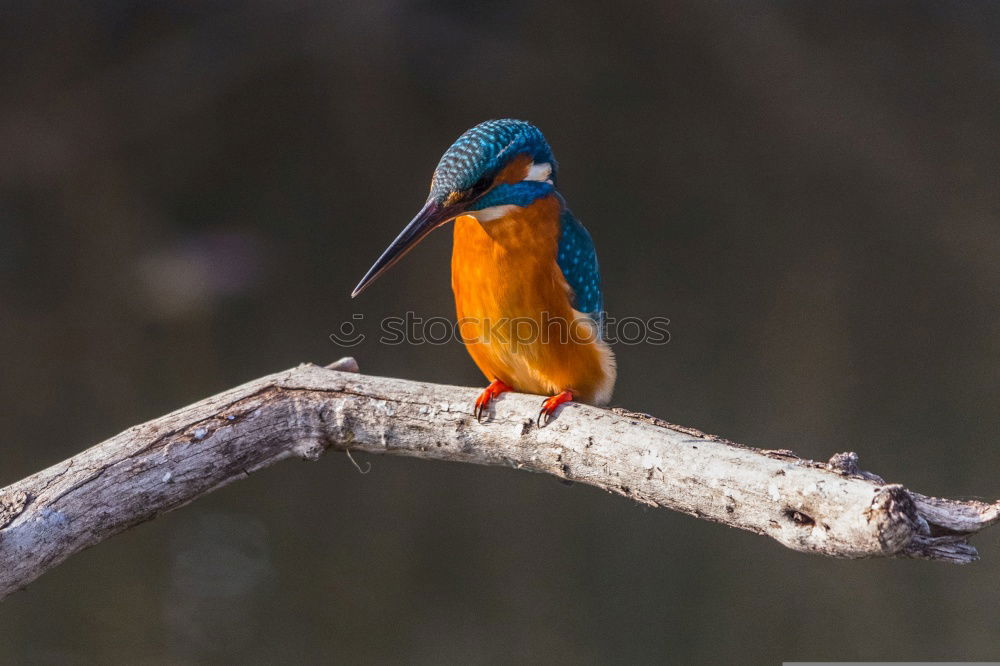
<point>483,150</point>
<point>577,259</point>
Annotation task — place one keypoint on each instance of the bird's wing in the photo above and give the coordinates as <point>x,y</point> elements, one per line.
<point>577,260</point>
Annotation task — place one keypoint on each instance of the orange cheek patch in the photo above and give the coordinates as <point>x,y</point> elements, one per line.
<point>515,171</point>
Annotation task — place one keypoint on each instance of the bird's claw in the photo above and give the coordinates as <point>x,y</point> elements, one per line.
<point>549,407</point>
<point>495,388</point>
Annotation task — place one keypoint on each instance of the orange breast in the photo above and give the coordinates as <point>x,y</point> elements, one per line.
<point>514,310</point>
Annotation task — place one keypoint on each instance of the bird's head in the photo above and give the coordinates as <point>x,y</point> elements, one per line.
<point>496,163</point>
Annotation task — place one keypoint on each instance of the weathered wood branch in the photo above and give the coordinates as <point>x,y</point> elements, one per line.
<point>830,508</point>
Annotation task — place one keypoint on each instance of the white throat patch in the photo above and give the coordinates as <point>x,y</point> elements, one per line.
<point>541,172</point>
<point>493,212</point>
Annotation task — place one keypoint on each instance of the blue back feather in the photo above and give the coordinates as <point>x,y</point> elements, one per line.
<point>577,260</point>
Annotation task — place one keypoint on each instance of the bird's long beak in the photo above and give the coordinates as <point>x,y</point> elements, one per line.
<point>431,216</point>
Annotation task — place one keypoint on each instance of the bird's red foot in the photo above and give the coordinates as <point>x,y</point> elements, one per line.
<point>550,405</point>
<point>495,388</point>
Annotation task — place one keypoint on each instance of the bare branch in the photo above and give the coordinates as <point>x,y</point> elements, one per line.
<point>833,508</point>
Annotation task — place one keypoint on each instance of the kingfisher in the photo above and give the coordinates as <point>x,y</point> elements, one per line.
<point>523,269</point>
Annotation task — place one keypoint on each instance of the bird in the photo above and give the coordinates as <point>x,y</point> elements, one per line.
<point>524,270</point>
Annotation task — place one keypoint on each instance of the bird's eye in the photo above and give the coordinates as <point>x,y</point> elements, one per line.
<point>480,186</point>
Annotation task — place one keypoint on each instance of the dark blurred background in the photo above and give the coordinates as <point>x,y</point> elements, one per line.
<point>188,191</point>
